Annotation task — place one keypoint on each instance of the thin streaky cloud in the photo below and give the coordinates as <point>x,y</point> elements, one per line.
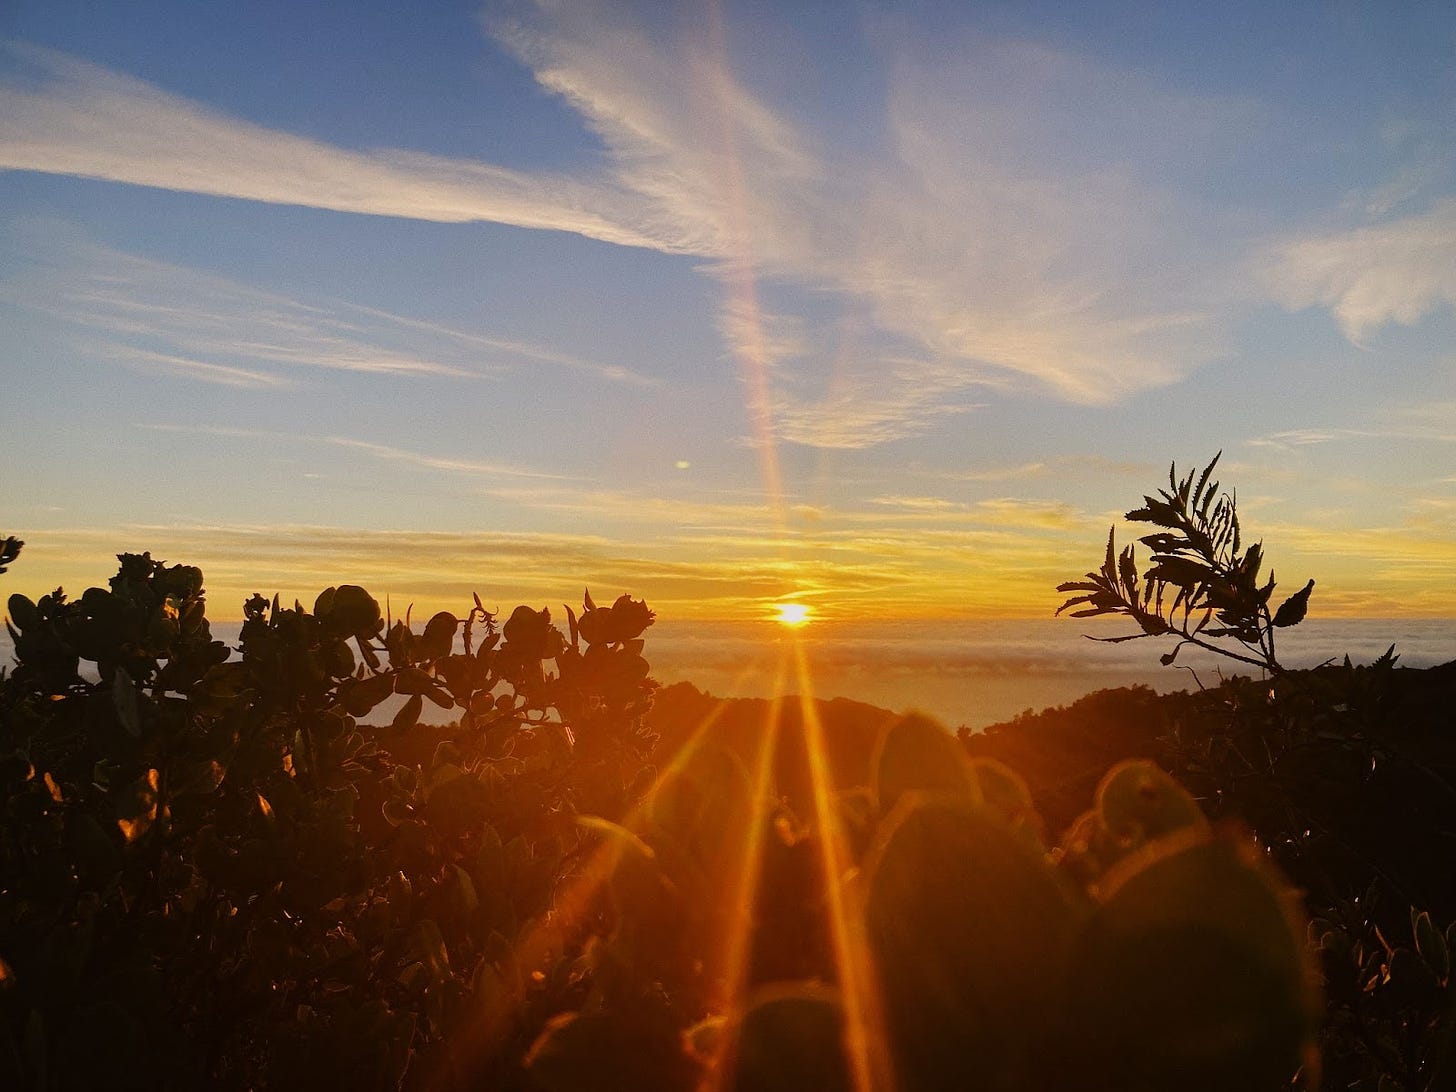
<point>227,328</point>
<point>189,368</point>
<point>1300,437</point>
<point>1016,512</point>
<point>198,316</point>
<point>613,372</point>
<point>996,474</point>
<point>77,118</point>
<point>1306,437</point>
<point>712,524</point>
<point>625,507</point>
<point>921,504</point>
<point>436,462</point>
<point>382,452</point>
<point>871,399</point>
<point>1086,464</point>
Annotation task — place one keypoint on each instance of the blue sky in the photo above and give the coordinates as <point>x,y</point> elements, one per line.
<point>890,307</point>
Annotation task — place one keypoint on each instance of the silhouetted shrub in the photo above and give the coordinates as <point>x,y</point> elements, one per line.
<point>216,873</point>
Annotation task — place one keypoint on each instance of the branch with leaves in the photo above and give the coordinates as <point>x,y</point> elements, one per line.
<point>1201,586</point>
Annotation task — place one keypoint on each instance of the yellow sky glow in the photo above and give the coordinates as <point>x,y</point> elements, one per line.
<point>844,567</point>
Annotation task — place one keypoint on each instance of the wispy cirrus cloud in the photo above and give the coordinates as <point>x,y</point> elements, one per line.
<point>1084,464</point>
<point>961,249</point>
<point>966,246</point>
<point>1308,437</point>
<point>1016,221</point>
<point>163,317</point>
<point>146,360</point>
<point>1398,270</point>
<point>867,399</point>
<point>843,385</point>
<point>63,115</point>
<point>993,512</point>
<point>382,452</point>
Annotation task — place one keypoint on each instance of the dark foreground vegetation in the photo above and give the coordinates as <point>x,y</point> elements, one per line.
<point>1347,774</point>
<point>216,872</point>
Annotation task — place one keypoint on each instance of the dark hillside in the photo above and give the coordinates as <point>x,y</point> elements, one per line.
<point>218,873</point>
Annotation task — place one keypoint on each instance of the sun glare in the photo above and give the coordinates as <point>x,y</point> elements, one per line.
<point>791,614</point>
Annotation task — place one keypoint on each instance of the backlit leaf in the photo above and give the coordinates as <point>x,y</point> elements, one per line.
<point>1291,612</point>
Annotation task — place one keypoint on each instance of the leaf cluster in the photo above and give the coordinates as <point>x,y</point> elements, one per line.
<point>1202,586</point>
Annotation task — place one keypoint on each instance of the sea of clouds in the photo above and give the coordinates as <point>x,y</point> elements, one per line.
<point>976,672</point>
<point>980,672</point>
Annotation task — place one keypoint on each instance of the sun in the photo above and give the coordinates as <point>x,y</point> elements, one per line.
<point>792,614</point>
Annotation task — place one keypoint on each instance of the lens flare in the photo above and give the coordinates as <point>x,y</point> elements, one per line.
<point>864,1036</point>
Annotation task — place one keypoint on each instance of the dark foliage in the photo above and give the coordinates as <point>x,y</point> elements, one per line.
<point>215,873</point>
<point>983,960</point>
<point>1346,774</point>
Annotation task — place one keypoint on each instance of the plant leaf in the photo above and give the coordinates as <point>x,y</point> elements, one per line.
<point>1291,612</point>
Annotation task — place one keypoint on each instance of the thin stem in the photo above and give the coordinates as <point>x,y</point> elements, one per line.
<point>1221,651</point>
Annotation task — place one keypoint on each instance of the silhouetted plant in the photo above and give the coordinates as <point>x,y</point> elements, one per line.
<point>1202,587</point>
<point>214,873</point>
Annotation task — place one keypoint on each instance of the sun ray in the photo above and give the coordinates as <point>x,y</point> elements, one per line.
<point>737,944</point>
<point>491,1024</point>
<point>864,1027</point>
<point>740,276</point>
